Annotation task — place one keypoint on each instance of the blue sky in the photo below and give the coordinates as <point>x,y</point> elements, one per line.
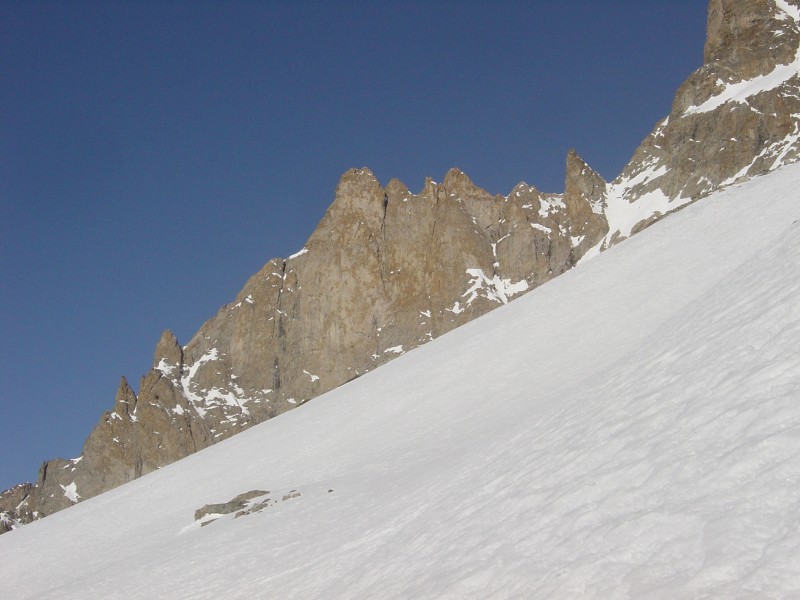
<point>153,155</point>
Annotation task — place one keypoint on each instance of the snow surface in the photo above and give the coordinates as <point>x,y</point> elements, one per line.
<point>629,430</point>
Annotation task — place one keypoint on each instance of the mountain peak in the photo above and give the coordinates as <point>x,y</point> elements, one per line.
<point>125,401</point>
<point>168,350</point>
<point>397,189</point>
<point>457,182</point>
<point>359,199</point>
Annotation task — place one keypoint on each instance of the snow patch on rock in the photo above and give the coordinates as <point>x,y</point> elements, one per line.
<point>71,492</point>
<point>495,288</point>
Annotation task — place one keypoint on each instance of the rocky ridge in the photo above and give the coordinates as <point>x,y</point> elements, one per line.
<point>387,270</point>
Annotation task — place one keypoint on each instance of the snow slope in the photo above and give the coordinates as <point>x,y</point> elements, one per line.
<point>629,430</point>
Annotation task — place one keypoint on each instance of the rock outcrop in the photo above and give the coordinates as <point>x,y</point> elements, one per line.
<point>15,509</point>
<point>387,270</point>
<point>736,117</point>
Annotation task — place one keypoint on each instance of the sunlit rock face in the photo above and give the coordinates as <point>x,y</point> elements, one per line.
<point>737,116</point>
<point>387,269</point>
<point>749,38</point>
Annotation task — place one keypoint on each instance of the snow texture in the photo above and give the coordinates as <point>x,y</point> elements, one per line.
<point>628,430</point>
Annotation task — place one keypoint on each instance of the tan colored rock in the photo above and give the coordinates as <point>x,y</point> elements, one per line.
<point>585,198</point>
<point>15,507</point>
<point>740,37</point>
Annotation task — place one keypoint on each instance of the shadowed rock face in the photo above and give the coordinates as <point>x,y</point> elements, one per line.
<point>387,270</point>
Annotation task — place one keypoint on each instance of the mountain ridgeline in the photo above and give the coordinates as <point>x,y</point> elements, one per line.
<point>387,270</point>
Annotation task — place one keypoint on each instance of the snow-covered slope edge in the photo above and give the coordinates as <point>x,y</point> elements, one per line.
<point>628,430</point>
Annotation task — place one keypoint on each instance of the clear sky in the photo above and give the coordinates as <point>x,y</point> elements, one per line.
<point>153,155</point>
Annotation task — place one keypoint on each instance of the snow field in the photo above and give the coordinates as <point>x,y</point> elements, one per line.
<point>629,430</point>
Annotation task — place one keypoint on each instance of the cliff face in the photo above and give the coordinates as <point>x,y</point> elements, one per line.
<point>387,270</point>
<point>736,117</point>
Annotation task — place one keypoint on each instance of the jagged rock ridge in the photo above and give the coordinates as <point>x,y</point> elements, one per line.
<point>387,270</point>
